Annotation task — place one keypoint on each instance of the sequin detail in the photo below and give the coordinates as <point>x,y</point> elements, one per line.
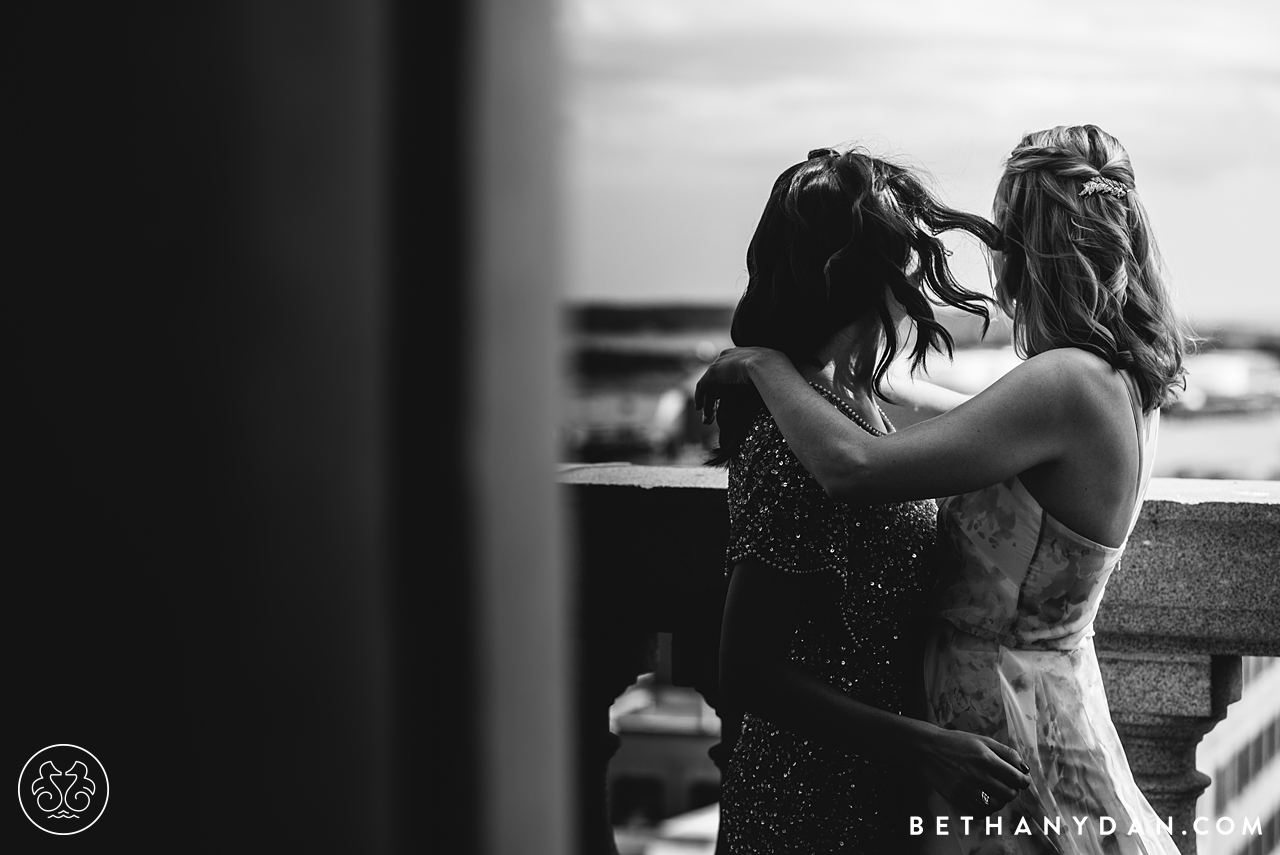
<point>783,793</point>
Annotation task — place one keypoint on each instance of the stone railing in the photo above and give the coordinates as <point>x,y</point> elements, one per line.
<point>1198,588</point>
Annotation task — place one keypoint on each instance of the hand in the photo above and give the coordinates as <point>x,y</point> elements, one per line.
<point>730,368</point>
<point>962,766</point>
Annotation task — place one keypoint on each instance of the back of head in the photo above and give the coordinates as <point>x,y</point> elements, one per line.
<point>840,233</point>
<point>1080,267</point>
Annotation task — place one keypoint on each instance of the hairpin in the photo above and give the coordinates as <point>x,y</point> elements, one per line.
<point>1098,184</point>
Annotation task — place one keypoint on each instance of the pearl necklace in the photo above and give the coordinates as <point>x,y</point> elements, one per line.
<point>849,411</point>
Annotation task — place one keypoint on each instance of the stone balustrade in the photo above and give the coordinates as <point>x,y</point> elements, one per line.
<point>1197,589</point>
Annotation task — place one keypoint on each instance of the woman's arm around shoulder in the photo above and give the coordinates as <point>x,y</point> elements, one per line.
<point>1035,414</point>
<point>924,399</point>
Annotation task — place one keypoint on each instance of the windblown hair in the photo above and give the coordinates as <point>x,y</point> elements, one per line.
<point>1083,270</point>
<point>840,232</point>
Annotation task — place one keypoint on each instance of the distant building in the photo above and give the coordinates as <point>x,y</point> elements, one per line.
<point>662,771</point>
<point>632,371</point>
<point>1240,756</point>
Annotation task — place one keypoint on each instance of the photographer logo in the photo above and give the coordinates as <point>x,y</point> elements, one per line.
<point>63,789</point>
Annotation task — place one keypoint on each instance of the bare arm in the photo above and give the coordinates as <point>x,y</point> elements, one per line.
<point>922,398</point>
<point>756,673</point>
<point>1030,416</point>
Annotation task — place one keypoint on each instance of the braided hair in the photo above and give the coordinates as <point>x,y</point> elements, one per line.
<point>1079,266</point>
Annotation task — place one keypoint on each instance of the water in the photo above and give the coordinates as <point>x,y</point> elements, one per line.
<point>634,367</point>
<point>1220,446</point>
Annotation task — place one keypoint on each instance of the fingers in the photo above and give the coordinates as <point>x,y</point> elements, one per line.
<point>706,396</point>
<point>708,401</point>
<point>979,799</point>
<point>1010,768</point>
<point>998,796</point>
<point>1005,753</point>
<point>987,776</point>
<point>727,369</point>
<point>703,399</point>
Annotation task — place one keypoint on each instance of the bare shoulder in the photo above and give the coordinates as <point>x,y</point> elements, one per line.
<point>1077,378</point>
<point>1070,368</point>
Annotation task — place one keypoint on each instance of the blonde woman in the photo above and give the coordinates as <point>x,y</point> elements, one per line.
<point>1045,473</point>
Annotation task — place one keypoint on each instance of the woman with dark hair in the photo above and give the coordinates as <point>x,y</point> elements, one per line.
<point>821,642</point>
<point>1046,471</point>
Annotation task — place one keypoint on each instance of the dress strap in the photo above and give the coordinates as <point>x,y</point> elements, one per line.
<point>1139,420</point>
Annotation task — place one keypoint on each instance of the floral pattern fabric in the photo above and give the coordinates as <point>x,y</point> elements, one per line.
<point>1011,657</point>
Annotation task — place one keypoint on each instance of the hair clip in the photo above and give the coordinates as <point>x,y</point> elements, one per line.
<point>1098,184</point>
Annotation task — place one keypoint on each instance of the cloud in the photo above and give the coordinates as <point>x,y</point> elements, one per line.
<point>666,96</point>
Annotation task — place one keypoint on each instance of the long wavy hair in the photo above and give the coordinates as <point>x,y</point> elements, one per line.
<point>841,233</point>
<point>1080,268</point>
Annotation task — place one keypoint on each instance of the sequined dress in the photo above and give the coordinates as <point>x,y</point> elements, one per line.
<point>874,572</point>
<point>1011,657</point>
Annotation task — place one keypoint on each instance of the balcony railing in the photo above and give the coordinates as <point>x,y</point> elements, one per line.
<point>1197,589</point>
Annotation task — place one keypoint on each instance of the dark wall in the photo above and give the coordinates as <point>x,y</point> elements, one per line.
<point>234,318</point>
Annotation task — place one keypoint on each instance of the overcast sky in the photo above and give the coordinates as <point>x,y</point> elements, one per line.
<point>680,113</point>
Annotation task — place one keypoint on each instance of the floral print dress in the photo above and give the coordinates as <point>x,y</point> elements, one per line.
<point>1012,657</point>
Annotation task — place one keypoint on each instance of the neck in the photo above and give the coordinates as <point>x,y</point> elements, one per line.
<point>846,362</point>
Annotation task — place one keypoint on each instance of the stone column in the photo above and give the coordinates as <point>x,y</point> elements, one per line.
<point>650,553</point>
<point>610,658</point>
<point>1162,705</point>
<point>696,663</point>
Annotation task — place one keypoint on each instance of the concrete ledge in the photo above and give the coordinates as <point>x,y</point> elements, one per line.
<point>1164,684</point>
<point>1197,589</point>
<point>645,477</point>
<point>1201,573</point>
<point>1179,491</point>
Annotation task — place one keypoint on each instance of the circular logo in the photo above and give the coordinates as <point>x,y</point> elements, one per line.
<point>63,789</point>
